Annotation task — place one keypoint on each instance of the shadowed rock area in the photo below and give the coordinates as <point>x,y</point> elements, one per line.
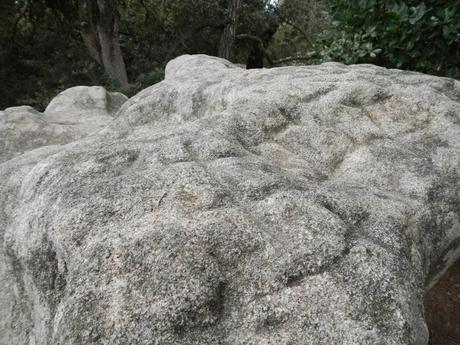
<point>297,205</point>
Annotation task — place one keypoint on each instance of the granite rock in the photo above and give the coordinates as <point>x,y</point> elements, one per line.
<point>72,115</point>
<point>296,205</point>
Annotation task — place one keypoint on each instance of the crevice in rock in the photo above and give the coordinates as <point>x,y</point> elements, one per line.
<point>49,276</point>
<point>217,305</point>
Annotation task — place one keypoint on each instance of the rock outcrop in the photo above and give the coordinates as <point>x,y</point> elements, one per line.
<point>297,205</point>
<point>73,114</point>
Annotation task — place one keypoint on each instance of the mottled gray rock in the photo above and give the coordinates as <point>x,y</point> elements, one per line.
<point>297,205</point>
<point>73,114</point>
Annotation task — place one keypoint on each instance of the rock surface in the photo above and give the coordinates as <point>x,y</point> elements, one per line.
<point>297,205</point>
<point>73,114</point>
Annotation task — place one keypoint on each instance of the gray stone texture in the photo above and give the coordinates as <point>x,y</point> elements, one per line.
<point>73,114</point>
<point>296,205</point>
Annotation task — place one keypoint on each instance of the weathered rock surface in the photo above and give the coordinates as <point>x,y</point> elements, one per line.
<point>73,114</point>
<point>303,205</point>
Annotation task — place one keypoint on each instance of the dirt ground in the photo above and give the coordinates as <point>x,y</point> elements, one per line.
<point>442,309</point>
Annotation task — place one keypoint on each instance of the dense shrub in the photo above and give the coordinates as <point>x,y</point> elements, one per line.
<point>415,35</point>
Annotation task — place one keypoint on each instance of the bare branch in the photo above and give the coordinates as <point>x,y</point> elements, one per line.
<point>308,58</point>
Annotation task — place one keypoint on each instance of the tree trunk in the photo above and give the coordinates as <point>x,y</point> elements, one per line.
<point>107,30</point>
<point>100,35</point>
<point>91,42</point>
<point>227,40</point>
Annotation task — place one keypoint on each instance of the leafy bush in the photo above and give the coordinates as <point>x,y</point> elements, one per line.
<point>415,35</point>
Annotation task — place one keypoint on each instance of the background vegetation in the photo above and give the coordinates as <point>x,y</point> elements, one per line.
<point>49,45</point>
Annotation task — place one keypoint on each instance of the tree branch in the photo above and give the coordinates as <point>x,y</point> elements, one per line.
<point>299,29</point>
<point>249,37</point>
<point>307,57</point>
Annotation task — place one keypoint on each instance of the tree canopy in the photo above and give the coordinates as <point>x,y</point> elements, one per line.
<point>49,45</point>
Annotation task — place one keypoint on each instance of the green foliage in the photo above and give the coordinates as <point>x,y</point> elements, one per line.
<point>153,32</point>
<point>42,51</point>
<point>351,48</point>
<point>300,22</point>
<point>414,35</point>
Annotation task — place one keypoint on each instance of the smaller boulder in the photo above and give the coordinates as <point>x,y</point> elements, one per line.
<point>86,98</point>
<point>71,115</point>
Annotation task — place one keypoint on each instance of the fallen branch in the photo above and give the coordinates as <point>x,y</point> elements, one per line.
<point>308,57</point>
<point>272,62</point>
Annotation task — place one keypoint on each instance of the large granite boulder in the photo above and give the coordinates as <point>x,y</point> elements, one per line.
<point>73,114</point>
<point>297,205</point>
